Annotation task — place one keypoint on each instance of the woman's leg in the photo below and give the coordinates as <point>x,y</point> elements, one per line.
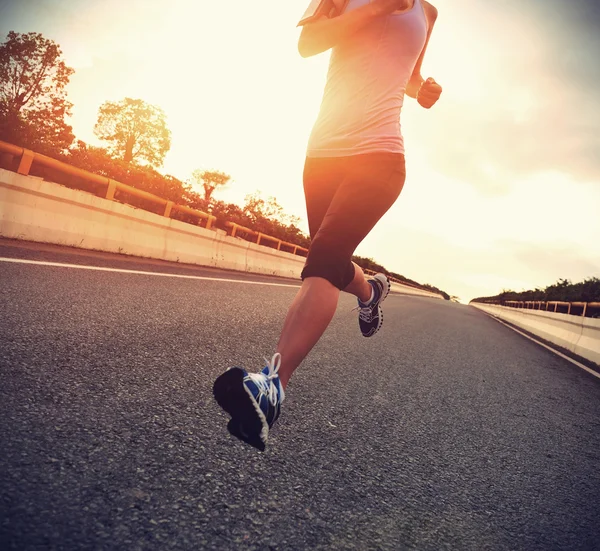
<point>314,306</point>
<point>345,200</point>
<point>359,286</point>
<point>309,315</point>
<point>351,213</point>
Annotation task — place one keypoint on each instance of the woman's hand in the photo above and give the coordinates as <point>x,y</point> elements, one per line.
<point>429,92</point>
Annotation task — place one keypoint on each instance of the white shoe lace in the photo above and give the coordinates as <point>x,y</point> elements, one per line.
<point>365,312</point>
<point>264,382</point>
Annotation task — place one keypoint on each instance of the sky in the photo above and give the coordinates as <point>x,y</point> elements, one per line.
<point>503,174</point>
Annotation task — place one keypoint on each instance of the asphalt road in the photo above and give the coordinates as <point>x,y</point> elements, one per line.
<point>445,431</point>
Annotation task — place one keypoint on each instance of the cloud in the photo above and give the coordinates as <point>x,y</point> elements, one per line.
<point>546,263</point>
<point>528,100</point>
<point>492,151</point>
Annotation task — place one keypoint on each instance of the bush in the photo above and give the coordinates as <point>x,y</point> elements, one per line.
<point>97,160</point>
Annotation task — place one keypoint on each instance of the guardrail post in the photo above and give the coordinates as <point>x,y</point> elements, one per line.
<point>584,309</point>
<point>110,191</point>
<point>279,245</point>
<point>209,222</point>
<point>258,238</point>
<point>168,208</point>
<point>569,308</point>
<point>295,249</point>
<point>25,163</point>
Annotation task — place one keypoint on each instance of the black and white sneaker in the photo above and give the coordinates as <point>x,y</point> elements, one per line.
<point>370,316</point>
<point>252,399</point>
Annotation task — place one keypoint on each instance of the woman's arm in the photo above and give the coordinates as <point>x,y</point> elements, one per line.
<point>321,35</point>
<point>416,80</point>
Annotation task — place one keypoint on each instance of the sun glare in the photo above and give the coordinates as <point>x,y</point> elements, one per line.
<point>240,99</point>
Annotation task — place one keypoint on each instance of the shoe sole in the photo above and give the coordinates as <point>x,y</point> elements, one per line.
<point>246,423</point>
<point>385,282</point>
<point>236,428</point>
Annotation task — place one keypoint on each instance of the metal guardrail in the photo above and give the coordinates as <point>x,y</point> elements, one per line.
<point>545,305</point>
<point>262,236</point>
<point>27,158</point>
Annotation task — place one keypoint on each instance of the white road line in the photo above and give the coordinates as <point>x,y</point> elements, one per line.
<point>575,362</point>
<point>140,272</point>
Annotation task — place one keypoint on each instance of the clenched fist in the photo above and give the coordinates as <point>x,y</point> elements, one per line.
<point>429,92</point>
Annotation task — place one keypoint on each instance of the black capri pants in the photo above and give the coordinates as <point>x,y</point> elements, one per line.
<point>345,198</point>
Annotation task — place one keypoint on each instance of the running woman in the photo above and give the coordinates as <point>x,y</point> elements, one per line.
<point>354,172</point>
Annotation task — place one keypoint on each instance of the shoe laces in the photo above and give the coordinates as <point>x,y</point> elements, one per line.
<point>365,312</point>
<point>264,381</point>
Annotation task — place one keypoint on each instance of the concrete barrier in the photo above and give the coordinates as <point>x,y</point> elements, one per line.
<point>35,210</point>
<point>574,333</point>
<point>408,290</point>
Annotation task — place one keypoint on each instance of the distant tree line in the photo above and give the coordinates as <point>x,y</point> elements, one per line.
<point>33,108</point>
<point>563,290</point>
<point>370,264</point>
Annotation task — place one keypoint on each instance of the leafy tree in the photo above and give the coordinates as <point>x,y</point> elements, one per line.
<point>210,180</point>
<point>259,209</point>
<point>135,130</point>
<point>97,160</point>
<point>33,104</point>
<point>229,212</point>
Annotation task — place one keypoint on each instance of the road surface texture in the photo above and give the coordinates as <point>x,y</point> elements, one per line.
<point>446,430</point>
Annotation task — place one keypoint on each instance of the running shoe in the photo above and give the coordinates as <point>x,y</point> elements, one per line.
<point>252,399</point>
<point>370,316</point>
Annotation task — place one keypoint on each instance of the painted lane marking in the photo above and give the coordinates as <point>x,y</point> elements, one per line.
<point>141,272</point>
<point>575,362</point>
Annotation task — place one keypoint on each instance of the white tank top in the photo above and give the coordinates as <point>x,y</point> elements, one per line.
<point>366,82</point>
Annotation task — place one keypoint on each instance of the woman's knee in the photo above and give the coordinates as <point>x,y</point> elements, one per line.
<point>339,273</point>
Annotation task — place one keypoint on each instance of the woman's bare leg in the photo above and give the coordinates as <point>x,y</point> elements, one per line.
<point>309,315</point>
<point>359,286</point>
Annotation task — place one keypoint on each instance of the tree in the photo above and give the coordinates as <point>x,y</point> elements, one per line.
<point>258,208</point>
<point>33,104</point>
<point>563,290</point>
<point>210,180</point>
<point>135,130</point>
<point>97,160</point>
